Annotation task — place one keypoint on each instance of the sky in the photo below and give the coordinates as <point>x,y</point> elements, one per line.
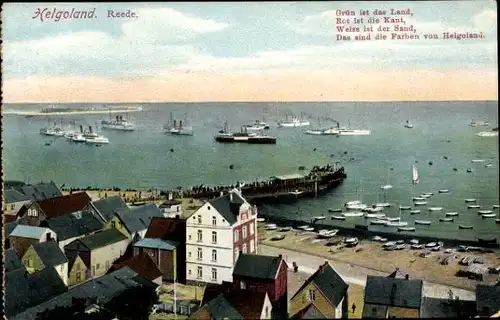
<point>244,51</point>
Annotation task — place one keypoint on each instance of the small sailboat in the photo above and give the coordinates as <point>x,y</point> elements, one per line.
<point>451,214</point>
<point>444,191</point>
<point>461,226</point>
<point>432,209</point>
<point>337,210</point>
<point>419,199</point>
<point>488,215</point>
<point>473,206</point>
<point>353,214</point>
<point>406,228</point>
<point>423,222</point>
<point>317,218</point>
<point>414,211</point>
<point>496,206</point>
<point>415,178</point>
<point>404,208</point>
<point>446,219</point>
<point>420,203</point>
<point>470,200</point>
<point>374,215</point>
<point>338,218</point>
<point>378,222</point>
<point>408,124</point>
<point>397,223</point>
<point>485,211</point>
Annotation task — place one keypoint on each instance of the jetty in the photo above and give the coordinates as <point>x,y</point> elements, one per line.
<point>282,188</point>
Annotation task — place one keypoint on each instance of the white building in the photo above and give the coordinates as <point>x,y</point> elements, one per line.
<point>216,233</point>
<point>171,208</point>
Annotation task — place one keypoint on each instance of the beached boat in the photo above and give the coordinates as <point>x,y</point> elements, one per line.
<point>278,237</point>
<point>425,196</point>
<point>296,192</point>
<point>477,160</point>
<point>392,218</point>
<point>335,210</point>
<point>420,203</point>
<point>446,219</point>
<point>419,198</point>
<point>382,204</point>
<point>309,229</point>
<point>351,240</point>
<point>432,209</point>
<point>473,206</point>
<point>489,165</point>
<point>317,218</point>
<point>496,206</point>
<point>451,214</point>
<point>338,218</point>
<point>414,241</point>
<point>417,246</point>
<point>470,200</point>
<point>389,244</point>
<point>406,228</point>
<point>271,226</point>
<point>404,208</point>
<point>261,219</point>
<point>414,211</point>
<point>396,224</point>
<point>488,215</point>
<point>475,123</point>
<point>378,222</point>
<point>303,227</point>
<point>285,229</point>
<point>376,238</point>
<point>461,226</point>
<point>444,191</point>
<point>431,245</point>
<point>325,234</point>
<point>423,222</point>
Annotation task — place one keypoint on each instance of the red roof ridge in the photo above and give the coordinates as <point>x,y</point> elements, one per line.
<point>63,205</point>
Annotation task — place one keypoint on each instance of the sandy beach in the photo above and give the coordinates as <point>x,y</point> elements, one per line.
<point>369,258</point>
<point>101,111</point>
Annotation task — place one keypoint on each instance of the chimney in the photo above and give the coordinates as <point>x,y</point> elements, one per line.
<point>175,123</point>
<point>90,129</point>
<point>170,196</point>
<point>221,193</point>
<point>407,276</point>
<point>280,256</point>
<point>177,216</point>
<point>322,268</point>
<point>231,196</point>
<point>81,129</point>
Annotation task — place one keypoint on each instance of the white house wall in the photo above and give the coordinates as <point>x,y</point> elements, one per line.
<point>338,309</point>
<point>43,237</point>
<point>267,303</point>
<point>62,270</point>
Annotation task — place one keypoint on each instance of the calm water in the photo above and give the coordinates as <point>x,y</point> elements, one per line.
<point>142,159</point>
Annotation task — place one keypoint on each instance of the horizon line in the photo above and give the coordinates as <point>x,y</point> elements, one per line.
<point>208,101</point>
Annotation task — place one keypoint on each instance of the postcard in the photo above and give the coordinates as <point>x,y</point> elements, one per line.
<point>159,158</point>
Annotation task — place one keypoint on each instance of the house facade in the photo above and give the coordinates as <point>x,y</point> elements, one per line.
<point>264,274</point>
<point>171,208</point>
<point>44,255</point>
<point>98,251</point>
<point>36,212</point>
<point>163,253</point>
<point>13,201</point>
<point>78,270</point>
<point>323,293</point>
<point>216,233</point>
<point>22,237</point>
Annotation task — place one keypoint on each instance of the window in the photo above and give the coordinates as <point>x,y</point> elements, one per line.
<point>178,208</point>
<point>189,237</point>
<point>312,295</point>
<point>236,253</point>
<point>236,235</point>
<point>200,254</point>
<point>214,237</point>
<point>12,207</point>
<point>32,213</point>
<point>214,255</point>
<point>200,273</point>
<point>251,229</point>
<point>244,248</point>
<point>189,254</point>
<point>200,236</point>
<point>214,274</point>
<point>113,224</point>
<point>267,312</point>
<point>252,246</point>
<point>93,270</point>
<point>199,218</point>
<point>107,265</point>
<point>77,266</point>
<point>189,272</point>
<point>98,266</point>
<point>244,232</point>
<point>27,263</point>
<point>78,276</point>
<point>214,220</point>
<point>243,285</point>
<point>208,207</point>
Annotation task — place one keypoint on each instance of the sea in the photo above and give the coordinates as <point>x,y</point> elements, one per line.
<point>149,158</point>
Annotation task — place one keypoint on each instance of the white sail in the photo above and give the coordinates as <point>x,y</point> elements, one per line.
<point>415,175</point>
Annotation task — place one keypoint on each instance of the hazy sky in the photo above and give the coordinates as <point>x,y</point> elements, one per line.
<point>284,51</point>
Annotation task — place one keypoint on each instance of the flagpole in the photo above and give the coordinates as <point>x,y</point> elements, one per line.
<point>175,300</point>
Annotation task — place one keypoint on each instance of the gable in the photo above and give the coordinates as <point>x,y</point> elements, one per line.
<point>32,256</point>
<point>207,211</point>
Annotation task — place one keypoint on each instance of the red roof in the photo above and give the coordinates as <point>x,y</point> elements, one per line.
<point>161,227</point>
<point>64,205</point>
<point>248,303</point>
<point>143,265</point>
